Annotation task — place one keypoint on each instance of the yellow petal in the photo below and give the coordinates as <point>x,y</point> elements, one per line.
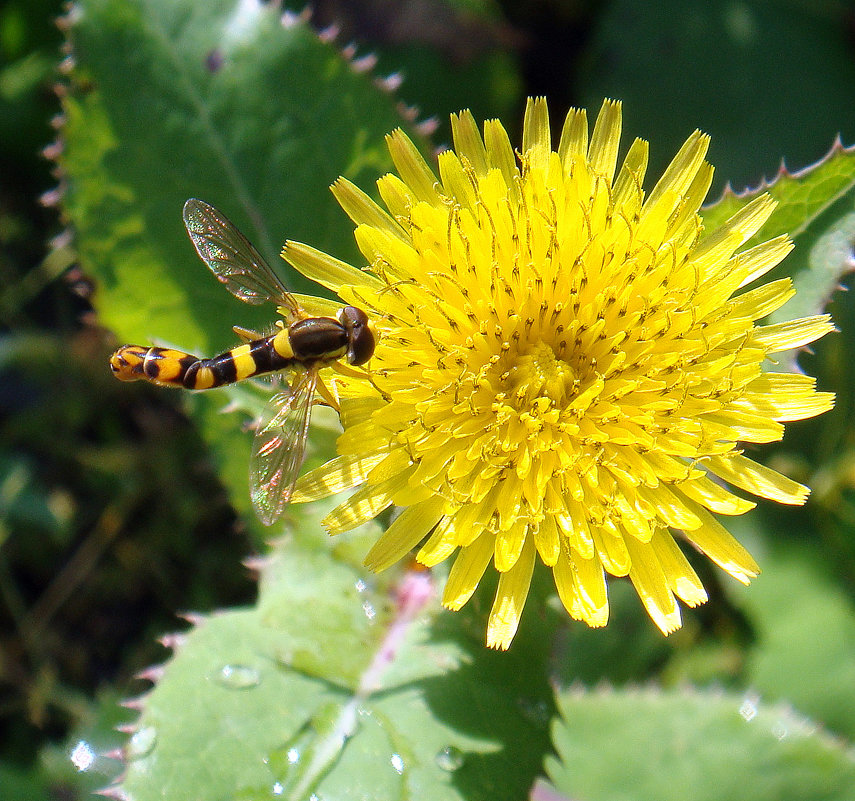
<point>680,173</point>
<point>680,575</point>
<point>467,141</point>
<point>326,270</point>
<point>364,505</point>
<point>651,584</point>
<point>511,595</point>
<point>440,545</point>
<point>398,197</point>
<point>745,427</point>
<point>501,154</point>
<point>611,548</point>
<point>509,545</point>
<point>792,334</point>
<point>757,261</point>
<point>719,545</point>
<point>467,570</point>
<point>412,168</point>
<point>590,580</point>
<point>763,481</point>
<point>715,497</point>
<point>407,530</point>
<point>628,185</point>
<point>605,140</point>
<point>574,137</point>
<point>670,508</point>
<point>455,181</point>
<point>336,475</point>
<point>763,300</point>
<point>363,210</point>
<point>546,541</point>
<point>537,142</point>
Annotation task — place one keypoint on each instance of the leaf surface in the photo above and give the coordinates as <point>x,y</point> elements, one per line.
<point>649,745</point>
<point>346,693</point>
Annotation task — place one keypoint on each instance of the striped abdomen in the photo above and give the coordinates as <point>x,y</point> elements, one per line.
<point>306,342</point>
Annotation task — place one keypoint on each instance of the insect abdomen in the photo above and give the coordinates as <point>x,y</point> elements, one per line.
<point>316,339</point>
<point>174,368</point>
<point>254,358</point>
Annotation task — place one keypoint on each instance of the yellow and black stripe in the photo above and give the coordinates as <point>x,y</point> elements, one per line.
<point>306,342</point>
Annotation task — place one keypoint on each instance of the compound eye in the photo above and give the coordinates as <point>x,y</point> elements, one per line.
<point>360,339</point>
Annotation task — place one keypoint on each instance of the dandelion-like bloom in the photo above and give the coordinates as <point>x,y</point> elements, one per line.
<point>565,367</point>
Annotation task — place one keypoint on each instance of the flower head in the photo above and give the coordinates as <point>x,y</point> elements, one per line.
<point>565,368</point>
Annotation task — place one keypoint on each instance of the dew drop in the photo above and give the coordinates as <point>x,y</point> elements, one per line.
<point>449,758</point>
<point>780,730</point>
<point>293,756</point>
<point>278,788</point>
<point>238,677</point>
<point>748,709</point>
<point>360,585</point>
<point>82,756</point>
<point>398,763</point>
<point>142,743</point>
<point>369,610</point>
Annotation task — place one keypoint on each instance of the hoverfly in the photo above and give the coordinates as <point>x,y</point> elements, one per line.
<point>301,344</point>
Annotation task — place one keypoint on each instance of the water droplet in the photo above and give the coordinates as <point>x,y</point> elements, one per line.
<point>142,743</point>
<point>278,788</point>
<point>449,758</point>
<point>83,756</point>
<point>370,611</point>
<point>398,763</point>
<point>293,756</point>
<point>780,730</point>
<point>238,677</point>
<point>360,585</point>
<point>748,709</point>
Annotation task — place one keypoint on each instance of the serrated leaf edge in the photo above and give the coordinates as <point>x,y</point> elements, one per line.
<point>652,690</point>
<point>729,193</point>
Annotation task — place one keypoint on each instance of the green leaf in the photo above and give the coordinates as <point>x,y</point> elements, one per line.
<point>802,196</point>
<point>345,693</point>
<point>691,746</point>
<point>23,785</point>
<point>234,103</point>
<point>805,636</point>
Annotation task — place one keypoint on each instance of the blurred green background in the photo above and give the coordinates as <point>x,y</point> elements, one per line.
<point>96,481</point>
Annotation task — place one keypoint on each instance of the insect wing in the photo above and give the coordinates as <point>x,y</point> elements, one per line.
<point>279,447</point>
<point>233,258</point>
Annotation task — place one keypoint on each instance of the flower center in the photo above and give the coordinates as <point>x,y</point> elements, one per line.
<point>540,374</point>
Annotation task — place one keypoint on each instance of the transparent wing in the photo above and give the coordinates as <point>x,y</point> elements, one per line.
<point>279,447</point>
<point>233,258</point>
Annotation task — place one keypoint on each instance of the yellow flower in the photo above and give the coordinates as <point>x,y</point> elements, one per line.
<point>565,368</point>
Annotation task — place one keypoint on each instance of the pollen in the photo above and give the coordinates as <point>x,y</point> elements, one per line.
<point>567,369</point>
